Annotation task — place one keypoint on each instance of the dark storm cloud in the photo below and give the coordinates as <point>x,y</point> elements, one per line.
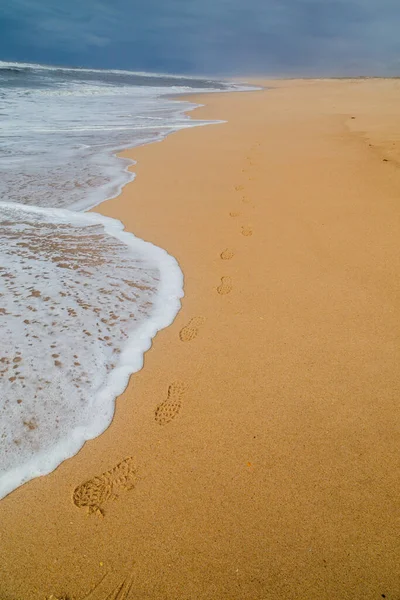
<point>329,37</point>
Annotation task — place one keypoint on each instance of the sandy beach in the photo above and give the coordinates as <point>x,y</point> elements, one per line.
<point>256,454</point>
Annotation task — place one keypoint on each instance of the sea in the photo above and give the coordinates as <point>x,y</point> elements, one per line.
<point>80,298</point>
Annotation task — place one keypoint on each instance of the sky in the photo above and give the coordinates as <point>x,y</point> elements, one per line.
<point>207,37</point>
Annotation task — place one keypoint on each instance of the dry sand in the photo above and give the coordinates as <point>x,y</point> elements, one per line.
<point>262,435</point>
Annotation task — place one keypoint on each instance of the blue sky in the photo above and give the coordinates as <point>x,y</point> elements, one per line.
<point>283,37</point>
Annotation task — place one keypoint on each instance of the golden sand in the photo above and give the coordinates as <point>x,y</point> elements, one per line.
<point>256,455</point>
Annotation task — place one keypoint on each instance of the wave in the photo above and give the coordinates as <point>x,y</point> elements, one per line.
<point>40,67</point>
<point>83,301</point>
<point>11,69</point>
<point>219,85</point>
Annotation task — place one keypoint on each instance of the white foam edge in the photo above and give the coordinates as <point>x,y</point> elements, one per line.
<point>167,306</point>
<point>80,205</point>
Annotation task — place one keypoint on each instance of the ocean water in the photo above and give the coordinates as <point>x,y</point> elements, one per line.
<point>80,299</point>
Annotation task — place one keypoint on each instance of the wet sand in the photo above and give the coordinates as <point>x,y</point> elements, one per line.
<point>256,455</point>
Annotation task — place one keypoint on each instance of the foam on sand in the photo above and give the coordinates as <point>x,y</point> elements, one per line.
<point>80,301</point>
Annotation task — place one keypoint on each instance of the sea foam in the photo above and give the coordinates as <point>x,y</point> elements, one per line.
<point>80,301</point>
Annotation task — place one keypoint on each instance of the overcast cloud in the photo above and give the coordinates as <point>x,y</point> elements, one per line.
<point>277,37</point>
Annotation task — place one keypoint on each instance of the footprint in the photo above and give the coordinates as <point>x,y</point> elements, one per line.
<point>190,331</point>
<point>247,230</point>
<point>169,408</point>
<point>225,287</point>
<point>234,214</point>
<point>239,188</point>
<point>245,199</point>
<point>227,254</point>
<point>93,494</point>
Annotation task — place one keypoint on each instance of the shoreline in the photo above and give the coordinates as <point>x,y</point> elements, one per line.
<point>255,455</point>
<point>131,360</point>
